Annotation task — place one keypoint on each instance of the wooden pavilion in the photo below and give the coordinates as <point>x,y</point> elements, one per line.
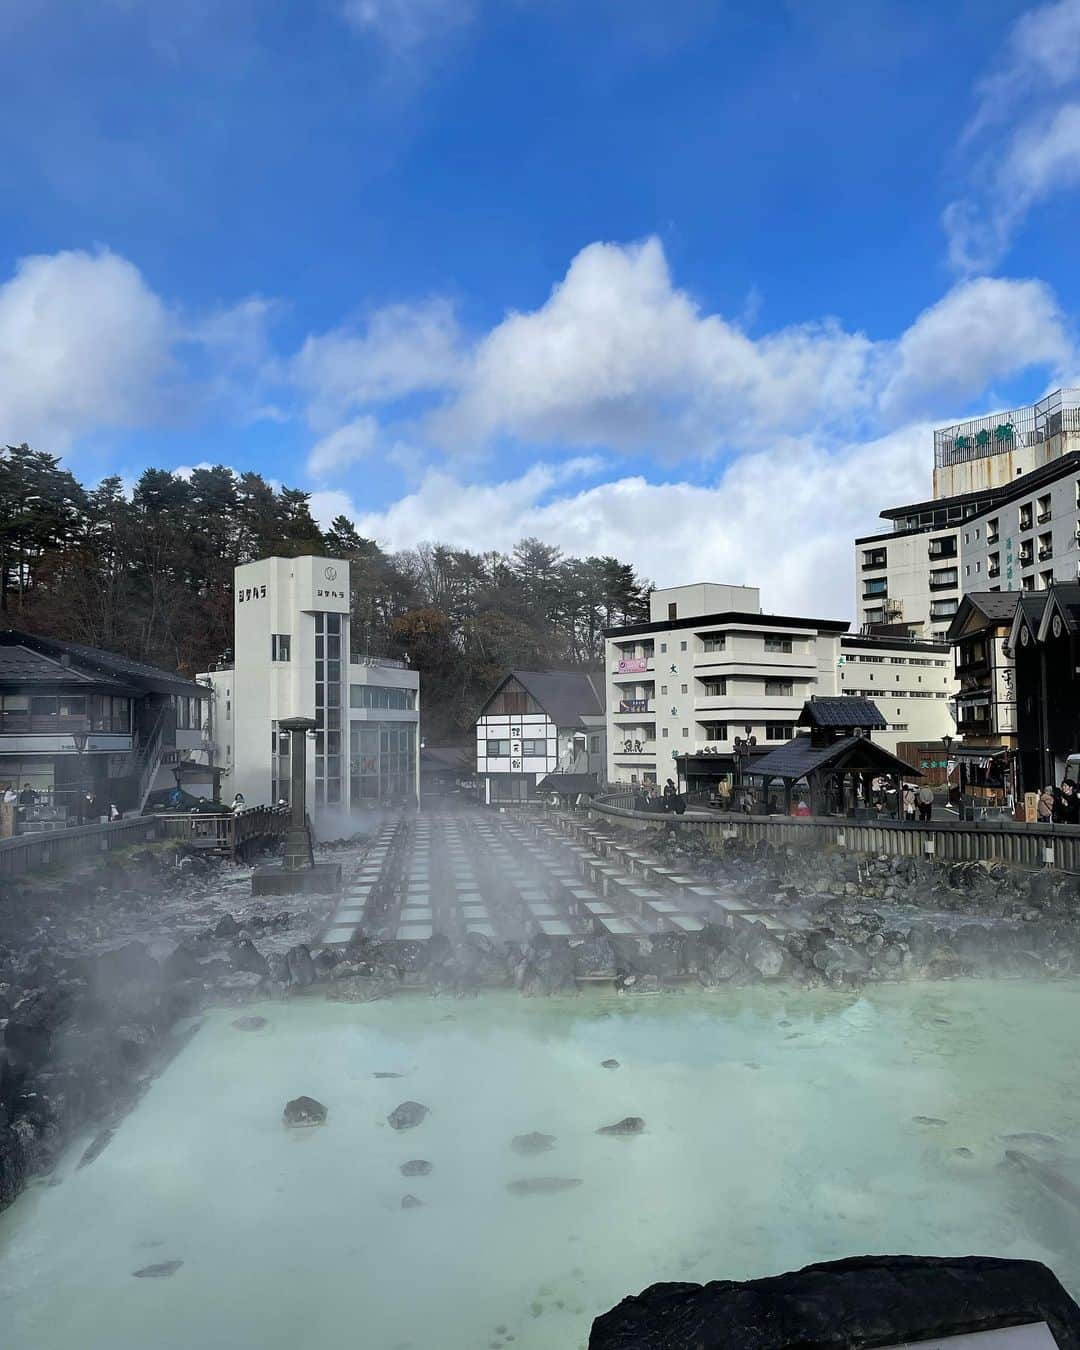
<point>836,756</point>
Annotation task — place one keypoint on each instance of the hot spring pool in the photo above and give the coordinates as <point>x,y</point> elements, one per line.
<point>780,1130</point>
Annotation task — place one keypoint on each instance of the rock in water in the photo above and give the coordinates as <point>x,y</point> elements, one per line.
<point>388,1075</point>
<point>305,1111</point>
<point>928,1120</point>
<point>407,1115</point>
<point>159,1271</point>
<point>532,1143</point>
<point>249,1023</point>
<point>609,1064</point>
<point>96,1146</point>
<point>415,1167</point>
<point>410,1202</point>
<point>543,1185</point>
<point>628,1125</point>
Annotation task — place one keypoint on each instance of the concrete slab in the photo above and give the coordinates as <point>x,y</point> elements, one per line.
<point>557,928</point>
<point>340,933</point>
<point>414,932</point>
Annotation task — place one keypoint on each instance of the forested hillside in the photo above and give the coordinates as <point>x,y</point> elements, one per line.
<point>151,576</point>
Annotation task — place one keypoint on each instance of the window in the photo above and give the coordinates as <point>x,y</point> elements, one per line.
<point>1046,579</point>
<point>992,531</point>
<point>534,749</point>
<point>1027,583</point>
<point>594,745</point>
<point>498,749</point>
<point>1042,508</point>
<point>374,696</point>
<point>672,612</point>
<point>944,547</point>
<point>714,644</point>
<point>943,609</point>
<point>684,689</point>
<point>280,644</point>
<point>1046,546</point>
<point>779,688</point>
<point>663,646</point>
<point>663,690</point>
<point>714,688</point>
<point>777,644</point>
<point>779,731</point>
<point>875,586</point>
<point>874,557</point>
<point>943,578</point>
<point>664,733</point>
<point>1026,516</point>
<point>715,731</point>
<point>682,646</point>
<point>993,565</point>
<point>686,731</point>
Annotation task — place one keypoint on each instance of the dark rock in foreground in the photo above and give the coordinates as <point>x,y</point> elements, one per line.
<point>159,1271</point>
<point>543,1185</point>
<point>388,1075</point>
<point>532,1143</point>
<point>842,1305</point>
<point>249,1023</point>
<point>410,1202</point>
<point>609,1063</point>
<point>407,1115</point>
<point>305,1111</point>
<point>415,1167</point>
<point>628,1125</point>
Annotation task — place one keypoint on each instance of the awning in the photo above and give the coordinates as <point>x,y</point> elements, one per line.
<point>977,751</point>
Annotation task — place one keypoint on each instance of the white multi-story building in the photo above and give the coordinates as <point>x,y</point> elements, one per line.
<point>536,723</point>
<point>1002,512</point>
<point>912,683</point>
<point>292,659</point>
<point>709,667</point>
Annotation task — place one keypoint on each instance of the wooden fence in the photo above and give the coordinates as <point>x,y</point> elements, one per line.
<point>225,833</point>
<point>945,840</point>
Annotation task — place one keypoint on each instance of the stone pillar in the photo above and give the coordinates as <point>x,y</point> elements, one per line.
<point>298,854</point>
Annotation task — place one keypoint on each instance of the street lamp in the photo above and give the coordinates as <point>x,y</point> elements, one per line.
<point>947,741</point>
<point>743,746</point>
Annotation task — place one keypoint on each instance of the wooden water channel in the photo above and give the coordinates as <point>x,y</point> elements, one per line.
<point>510,877</point>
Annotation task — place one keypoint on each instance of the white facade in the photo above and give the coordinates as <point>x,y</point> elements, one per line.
<point>972,536</point>
<point>292,659</point>
<point>690,684</point>
<point>519,742</point>
<point>912,684</point>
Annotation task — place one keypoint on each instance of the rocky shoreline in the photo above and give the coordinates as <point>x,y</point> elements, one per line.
<point>103,976</point>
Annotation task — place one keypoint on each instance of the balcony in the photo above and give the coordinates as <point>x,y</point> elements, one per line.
<point>875,595</point>
<point>992,572</point>
<point>634,706</point>
<point>1045,552</point>
<point>1025,559</point>
<point>940,552</point>
<point>875,564</point>
<point>1025,523</point>
<point>943,583</point>
<point>992,536</point>
<point>638,750</point>
<point>632,665</point>
<point>1044,516</point>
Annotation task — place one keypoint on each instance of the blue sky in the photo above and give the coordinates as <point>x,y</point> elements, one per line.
<point>687,282</point>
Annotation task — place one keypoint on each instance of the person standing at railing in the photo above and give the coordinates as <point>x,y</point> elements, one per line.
<point>237,802</point>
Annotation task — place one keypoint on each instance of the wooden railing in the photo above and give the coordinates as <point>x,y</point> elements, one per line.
<point>222,832</point>
<point>945,840</point>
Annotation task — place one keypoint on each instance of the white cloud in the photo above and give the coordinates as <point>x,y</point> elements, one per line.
<point>84,345</point>
<point>1030,132</point>
<point>402,350</point>
<point>354,441</point>
<point>617,356</point>
<point>982,330</point>
<point>782,520</point>
<point>405,25</point>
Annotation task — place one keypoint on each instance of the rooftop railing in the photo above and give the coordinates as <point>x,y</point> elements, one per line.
<point>999,432</point>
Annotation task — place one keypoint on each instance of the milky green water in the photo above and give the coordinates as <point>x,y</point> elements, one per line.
<point>780,1132</point>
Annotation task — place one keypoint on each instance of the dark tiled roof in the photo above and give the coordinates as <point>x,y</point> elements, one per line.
<point>569,783</point>
<point>845,711</point>
<point>995,606</point>
<point>565,695</point>
<point>799,757</point>
<point>1066,599</point>
<point>20,665</point>
<point>96,663</point>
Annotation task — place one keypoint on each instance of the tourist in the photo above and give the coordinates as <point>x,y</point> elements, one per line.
<point>1060,811</point>
<point>925,801</point>
<point>1044,811</point>
<point>909,802</point>
<point>1071,802</point>
<point>238,802</point>
<point>670,793</point>
<point>114,812</point>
